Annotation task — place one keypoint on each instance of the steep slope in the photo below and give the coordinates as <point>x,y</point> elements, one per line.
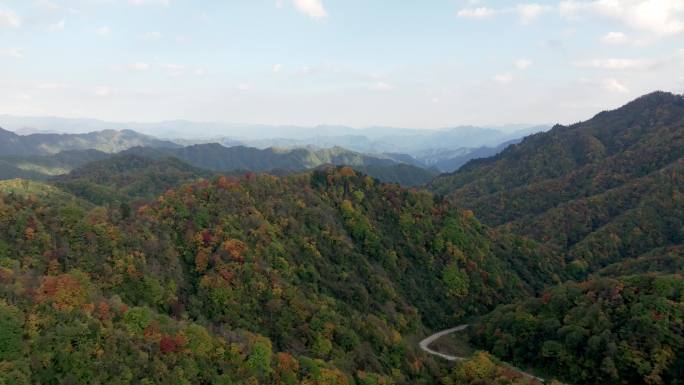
<point>605,331</point>
<point>206,282</point>
<point>601,190</point>
<point>109,141</point>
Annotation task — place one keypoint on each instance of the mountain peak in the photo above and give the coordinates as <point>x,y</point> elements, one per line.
<point>654,99</point>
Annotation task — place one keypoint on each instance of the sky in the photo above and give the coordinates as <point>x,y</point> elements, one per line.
<point>403,63</point>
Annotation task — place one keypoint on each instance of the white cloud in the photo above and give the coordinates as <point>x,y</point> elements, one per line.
<point>52,86</point>
<point>58,26</point>
<point>102,91</point>
<point>149,2</point>
<point>12,52</point>
<point>9,19</point>
<point>475,13</point>
<point>47,5</point>
<point>382,86</point>
<point>523,64</point>
<point>614,64</point>
<point>244,87</point>
<point>280,3</point>
<point>104,31</point>
<point>613,85</point>
<point>527,12</point>
<point>312,8</point>
<point>503,78</point>
<point>530,12</point>
<point>277,68</point>
<point>174,69</point>
<point>659,17</point>
<point>22,96</point>
<point>614,38</point>
<point>152,36</point>
<point>138,66</point>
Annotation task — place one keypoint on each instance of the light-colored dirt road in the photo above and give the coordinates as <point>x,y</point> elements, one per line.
<point>425,345</point>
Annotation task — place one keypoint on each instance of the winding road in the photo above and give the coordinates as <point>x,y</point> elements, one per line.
<point>425,346</point>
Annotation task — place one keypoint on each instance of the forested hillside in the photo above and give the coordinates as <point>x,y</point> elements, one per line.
<point>604,331</point>
<point>602,190</point>
<point>42,167</point>
<point>606,193</point>
<point>145,267</point>
<point>261,279</point>
<point>394,168</point>
<point>122,178</point>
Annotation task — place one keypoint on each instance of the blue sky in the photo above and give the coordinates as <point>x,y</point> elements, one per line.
<point>404,63</point>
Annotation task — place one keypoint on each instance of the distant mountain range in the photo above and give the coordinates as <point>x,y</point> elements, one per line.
<point>442,148</point>
<point>109,141</point>
<point>229,159</point>
<point>40,155</point>
<point>212,157</point>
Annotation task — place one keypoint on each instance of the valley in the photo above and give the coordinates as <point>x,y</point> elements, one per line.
<point>214,264</point>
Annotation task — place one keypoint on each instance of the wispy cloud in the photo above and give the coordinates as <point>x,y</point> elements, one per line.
<point>659,17</point>
<point>174,70</point>
<point>52,86</point>
<point>523,64</point>
<point>503,78</point>
<point>531,12</point>
<point>58,26</point>
<point>12,52</point>
<point>381,86</point>
<point>165,3</point>
<point>475,13</point>
<point>9,19</point>
<point>102,91</point>
<point>613,85</point>
<point>152,36</point>
<point>614,64</point>
<point>312,8</point>
<point>614,38</point>
<point>47,5</point>
<point>104,31</point>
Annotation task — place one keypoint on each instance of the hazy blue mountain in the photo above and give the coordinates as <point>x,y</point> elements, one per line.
<point>109,141</point>
<point>452,160</point>
<point>401,169</point>
<point>214,156</point>
<point>369,139</point>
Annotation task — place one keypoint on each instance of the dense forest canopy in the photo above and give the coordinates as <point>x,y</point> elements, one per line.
<point>606,193</point>
<point>140,268</point>
<point>257,279</point>
<point>601,191</point>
